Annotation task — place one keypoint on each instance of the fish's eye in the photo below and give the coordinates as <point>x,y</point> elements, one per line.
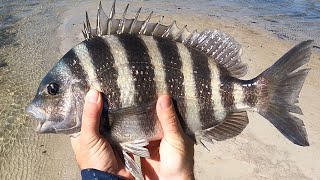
<point>53,88</point>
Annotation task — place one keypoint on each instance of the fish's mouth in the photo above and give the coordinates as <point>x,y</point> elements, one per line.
<point>43,126</point>
<point>38,129</point>
<point>34,113</point>
<point>57,124</point>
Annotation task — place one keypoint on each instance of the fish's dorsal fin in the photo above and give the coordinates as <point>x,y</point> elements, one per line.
<point>221,47</point>
<point>224,50</point>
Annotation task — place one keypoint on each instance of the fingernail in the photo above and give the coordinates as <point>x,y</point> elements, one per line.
<point>92,96</point>
<point>165,103</point>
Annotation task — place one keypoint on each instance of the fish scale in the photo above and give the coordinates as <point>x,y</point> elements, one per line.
<point>132,62</point>
<point>105,63</point>
<point>202,74</point>
<point>136,51</point>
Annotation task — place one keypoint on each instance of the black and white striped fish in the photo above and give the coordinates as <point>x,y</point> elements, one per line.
<point>132,62</point>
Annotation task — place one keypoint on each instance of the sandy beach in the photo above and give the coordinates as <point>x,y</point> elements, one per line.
<point>259,152</point>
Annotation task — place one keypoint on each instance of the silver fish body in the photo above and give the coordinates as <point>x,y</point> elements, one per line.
<point>132,71</point>
<point>133,62</point>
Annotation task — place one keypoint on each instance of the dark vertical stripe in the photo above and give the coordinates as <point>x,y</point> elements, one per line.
<point>174,77</point>
<point>72,61</point>
<point>226,92</point>
<point>251,93</point>
<point>172,65</point>
<point>202,80</point>
<point>107,75</point>
<point>141,68</point>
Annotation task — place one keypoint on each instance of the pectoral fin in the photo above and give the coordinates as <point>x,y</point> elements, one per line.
<point>133,124</point>
<point>132,119</point>
<point>230,127</point>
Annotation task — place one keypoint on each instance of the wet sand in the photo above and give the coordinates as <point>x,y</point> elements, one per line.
<point>260,152</point>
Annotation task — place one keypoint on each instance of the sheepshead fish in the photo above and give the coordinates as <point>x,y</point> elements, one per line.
<point>132,62</point>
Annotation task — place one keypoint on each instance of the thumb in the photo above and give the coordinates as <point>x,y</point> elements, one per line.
<point>167,117</point>
<point>91,113</point>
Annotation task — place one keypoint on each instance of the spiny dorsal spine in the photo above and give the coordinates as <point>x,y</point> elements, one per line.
<point>88,32</point>
<point>224,50</point>
<point>144,26</point>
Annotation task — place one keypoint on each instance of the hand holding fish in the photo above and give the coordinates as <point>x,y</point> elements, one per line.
<point>173,159</point>
<point>91,149</point>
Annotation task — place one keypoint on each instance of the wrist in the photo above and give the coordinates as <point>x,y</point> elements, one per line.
<point>97,174</point>
<point>186,173</point>
<point>180,176</point>
<point>108,167</point>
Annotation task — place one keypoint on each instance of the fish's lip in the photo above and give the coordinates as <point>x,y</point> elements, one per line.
<point>33,113</point>
<point>38,128</point>
<point>45,127</point>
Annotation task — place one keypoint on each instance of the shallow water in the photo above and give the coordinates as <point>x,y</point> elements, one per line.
<point>29,48</point>
<point>295,20</point>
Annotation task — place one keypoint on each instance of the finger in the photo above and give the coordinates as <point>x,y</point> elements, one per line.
<point>91,113</point>
<point>75,144</point>
<point>167,116</point>
<point>150,168</point>
<point>122,171</point>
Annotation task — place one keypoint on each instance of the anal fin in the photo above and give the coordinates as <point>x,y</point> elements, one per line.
<point>136,147</point>
<point>230,127</point>
<point>132,166</point>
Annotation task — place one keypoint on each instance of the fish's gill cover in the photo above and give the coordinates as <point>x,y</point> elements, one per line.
<point>223,49</point>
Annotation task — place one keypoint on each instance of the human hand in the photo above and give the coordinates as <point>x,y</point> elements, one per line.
<point>91,149</point>
<point>174,158</point>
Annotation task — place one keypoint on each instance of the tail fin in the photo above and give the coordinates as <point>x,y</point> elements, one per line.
<point>280,86</point>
